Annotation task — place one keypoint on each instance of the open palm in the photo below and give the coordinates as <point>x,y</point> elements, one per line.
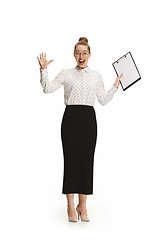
<point>43,61</point>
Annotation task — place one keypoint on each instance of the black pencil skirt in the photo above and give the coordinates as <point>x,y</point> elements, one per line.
<point>78,135</point>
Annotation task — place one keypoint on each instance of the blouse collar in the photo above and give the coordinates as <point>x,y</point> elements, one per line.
<point>87,69</point>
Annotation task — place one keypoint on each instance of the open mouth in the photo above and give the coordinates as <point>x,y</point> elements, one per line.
<point>81,62</point>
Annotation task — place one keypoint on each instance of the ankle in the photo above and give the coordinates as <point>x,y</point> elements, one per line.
<point>82,206</point>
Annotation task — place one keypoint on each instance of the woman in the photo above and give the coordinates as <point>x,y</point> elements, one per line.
<point>79,125</point>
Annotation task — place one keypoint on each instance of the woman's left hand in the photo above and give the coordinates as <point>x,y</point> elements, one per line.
<point>117,82</point>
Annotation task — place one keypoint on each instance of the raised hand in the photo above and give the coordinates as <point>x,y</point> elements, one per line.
<point>43,61</point>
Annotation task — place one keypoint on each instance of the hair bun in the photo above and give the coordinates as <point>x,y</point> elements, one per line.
<point>83,39</point>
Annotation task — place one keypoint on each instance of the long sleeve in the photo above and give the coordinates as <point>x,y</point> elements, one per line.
<point>51,86</point>
<point>103,96</point>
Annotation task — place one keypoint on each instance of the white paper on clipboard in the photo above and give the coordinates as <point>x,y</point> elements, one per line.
<point>127,66</point>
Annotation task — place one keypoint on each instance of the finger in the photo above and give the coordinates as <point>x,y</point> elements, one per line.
<point>45,55</point>
<point>51,61</point>
<point>42,54</point>
<point>38,59</point>
<point>119,77</point>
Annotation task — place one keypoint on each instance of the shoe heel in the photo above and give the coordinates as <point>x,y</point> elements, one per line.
<point>77,209</point>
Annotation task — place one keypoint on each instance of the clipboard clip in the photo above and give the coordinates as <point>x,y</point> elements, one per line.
<point>121,58</point>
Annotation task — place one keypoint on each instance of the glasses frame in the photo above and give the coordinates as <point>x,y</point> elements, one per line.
<point>84,54</point>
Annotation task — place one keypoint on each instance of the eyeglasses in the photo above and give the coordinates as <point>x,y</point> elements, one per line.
<point>83,54</point>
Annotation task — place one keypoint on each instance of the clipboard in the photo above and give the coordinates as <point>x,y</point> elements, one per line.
<point>127,66</point>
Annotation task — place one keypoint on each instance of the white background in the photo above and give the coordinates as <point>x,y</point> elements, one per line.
<point>125,201</point>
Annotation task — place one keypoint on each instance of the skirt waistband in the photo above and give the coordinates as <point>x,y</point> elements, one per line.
<point>79,105</point>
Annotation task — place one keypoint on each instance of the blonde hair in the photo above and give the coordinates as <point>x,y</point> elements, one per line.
<point>82,41</point>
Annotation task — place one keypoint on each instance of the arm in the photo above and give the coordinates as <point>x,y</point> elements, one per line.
<point>102,96</point>
<point>50,86</point>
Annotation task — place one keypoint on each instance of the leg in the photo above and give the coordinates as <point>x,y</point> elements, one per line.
<point>82,204</point>
<point>70,202</point>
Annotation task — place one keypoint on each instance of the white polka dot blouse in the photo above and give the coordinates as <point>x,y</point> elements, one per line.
<point>81,86</point>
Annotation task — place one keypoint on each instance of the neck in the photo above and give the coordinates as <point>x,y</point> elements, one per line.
<point>82,67</point>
